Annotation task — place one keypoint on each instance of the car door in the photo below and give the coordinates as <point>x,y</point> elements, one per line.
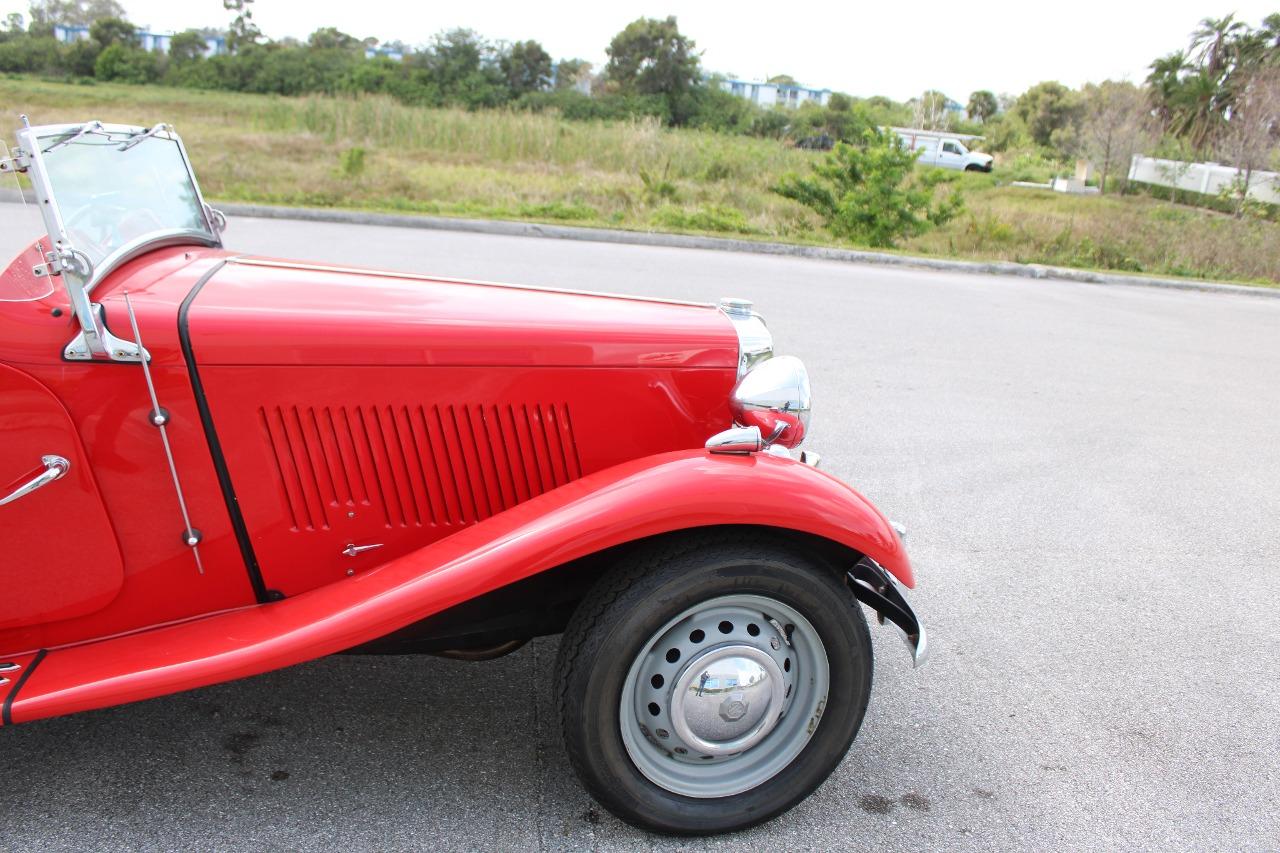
<point>61,558</point>
<point>951,155</point>
<point>928,152</point>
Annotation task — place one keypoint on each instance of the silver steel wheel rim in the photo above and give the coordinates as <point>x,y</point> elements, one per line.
<point>724,696</point>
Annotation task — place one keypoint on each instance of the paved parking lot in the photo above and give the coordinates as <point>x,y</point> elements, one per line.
<point>1091,480</point>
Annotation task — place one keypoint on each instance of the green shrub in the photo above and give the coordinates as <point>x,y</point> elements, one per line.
<point>872,193</point>
<point>656,188</point>
<point>351,161</point>
<point>710,218</point>
<point>559,210</point>
<point>1030,166</point>
<point>126,65</point>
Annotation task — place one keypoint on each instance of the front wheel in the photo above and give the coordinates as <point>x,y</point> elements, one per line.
<point>710,685</point>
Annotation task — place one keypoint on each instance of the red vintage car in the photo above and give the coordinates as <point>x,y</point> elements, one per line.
<point>215,465</point>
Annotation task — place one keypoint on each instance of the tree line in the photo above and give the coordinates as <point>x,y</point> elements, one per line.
<point>1219,97</point>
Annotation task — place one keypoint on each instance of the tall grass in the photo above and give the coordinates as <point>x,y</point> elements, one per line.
<point>629,174</point>
<point>499,136</point>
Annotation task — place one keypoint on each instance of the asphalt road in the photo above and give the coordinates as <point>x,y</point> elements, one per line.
<point>1091,479</point>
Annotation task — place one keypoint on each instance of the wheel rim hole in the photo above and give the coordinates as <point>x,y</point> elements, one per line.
<point>696,635</point>
<point>654,709</point>
<point>657,681</point>
<point>707,757</point>
<point>786,665</point>
<point>681,750</point>
<point>753,629</point>
<point>673,655</point>
<point>787,695</point>
<point>726,627</point>
<point>662,733</point>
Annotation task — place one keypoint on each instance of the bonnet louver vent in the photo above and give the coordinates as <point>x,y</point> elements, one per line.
<point>417,465</point>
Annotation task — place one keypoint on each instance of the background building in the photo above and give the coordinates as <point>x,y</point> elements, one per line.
<point>158,42</point>
<point>775,94</point>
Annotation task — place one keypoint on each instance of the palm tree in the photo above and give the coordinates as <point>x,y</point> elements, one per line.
<point>1165,80</point>
<point>1270,31</point>
<point>1214,40</point>
<point>1197,113</point>
<point>982,105</point>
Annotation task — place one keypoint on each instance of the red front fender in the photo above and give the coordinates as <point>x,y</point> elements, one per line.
<point>638,499</point>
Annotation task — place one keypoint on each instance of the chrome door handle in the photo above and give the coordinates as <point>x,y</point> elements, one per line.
<point>54,468</point>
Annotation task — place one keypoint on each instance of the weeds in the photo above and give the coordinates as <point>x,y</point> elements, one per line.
<point>351,162</point>
<point>626,174</point>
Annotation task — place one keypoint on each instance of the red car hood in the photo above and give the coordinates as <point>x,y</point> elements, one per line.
<point>260,311</point>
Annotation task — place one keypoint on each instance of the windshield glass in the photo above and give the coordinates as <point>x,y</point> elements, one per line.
<point>20,224</point>
<point>118,190</point>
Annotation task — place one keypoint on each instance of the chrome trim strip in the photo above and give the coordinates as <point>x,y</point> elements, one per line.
<point>755,341</point>
<point>409,276</point>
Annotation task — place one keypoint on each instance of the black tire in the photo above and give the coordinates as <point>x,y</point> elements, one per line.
<point>640,595</point>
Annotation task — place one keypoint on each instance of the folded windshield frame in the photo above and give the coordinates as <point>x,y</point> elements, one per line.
<point>41,143</point>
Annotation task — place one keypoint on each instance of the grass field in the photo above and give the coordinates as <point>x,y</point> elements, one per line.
<point>373,153</point>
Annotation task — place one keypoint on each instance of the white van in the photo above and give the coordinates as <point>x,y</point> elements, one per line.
<point>944,151</point>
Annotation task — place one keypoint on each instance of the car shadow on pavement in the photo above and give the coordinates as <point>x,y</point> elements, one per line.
<point>353,751</point>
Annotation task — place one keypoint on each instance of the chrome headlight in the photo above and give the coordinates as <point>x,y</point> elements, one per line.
<point>775,397</point>
<point>755,344</point>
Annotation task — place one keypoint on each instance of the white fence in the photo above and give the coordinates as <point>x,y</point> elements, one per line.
<point>1207,178</point>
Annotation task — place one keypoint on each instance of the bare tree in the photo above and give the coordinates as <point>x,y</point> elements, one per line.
<point>1252,136</point>
<point>929,111</point>
<point>1115,124</point>
<point>1175,162</point>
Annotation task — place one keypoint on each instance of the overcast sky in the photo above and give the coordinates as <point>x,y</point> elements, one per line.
<point>898,48</point>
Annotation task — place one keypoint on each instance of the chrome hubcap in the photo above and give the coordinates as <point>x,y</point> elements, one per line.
<point>727,699</point>
<point>724,696</point>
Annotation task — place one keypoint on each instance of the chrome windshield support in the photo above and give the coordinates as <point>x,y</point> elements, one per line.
<point>95,341</point>
<point>91,160</point>
<point>19,162</point>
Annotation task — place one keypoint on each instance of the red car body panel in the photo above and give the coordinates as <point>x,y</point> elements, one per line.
<point>323,458</point>
<point>398,420</point>
<point>477,433</point>
<point>255,312</point>
<point>637,499</point>
<point>108,405</point>
<point>48,578</point>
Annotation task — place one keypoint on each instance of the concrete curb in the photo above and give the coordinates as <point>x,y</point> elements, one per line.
<point>507,228</point>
